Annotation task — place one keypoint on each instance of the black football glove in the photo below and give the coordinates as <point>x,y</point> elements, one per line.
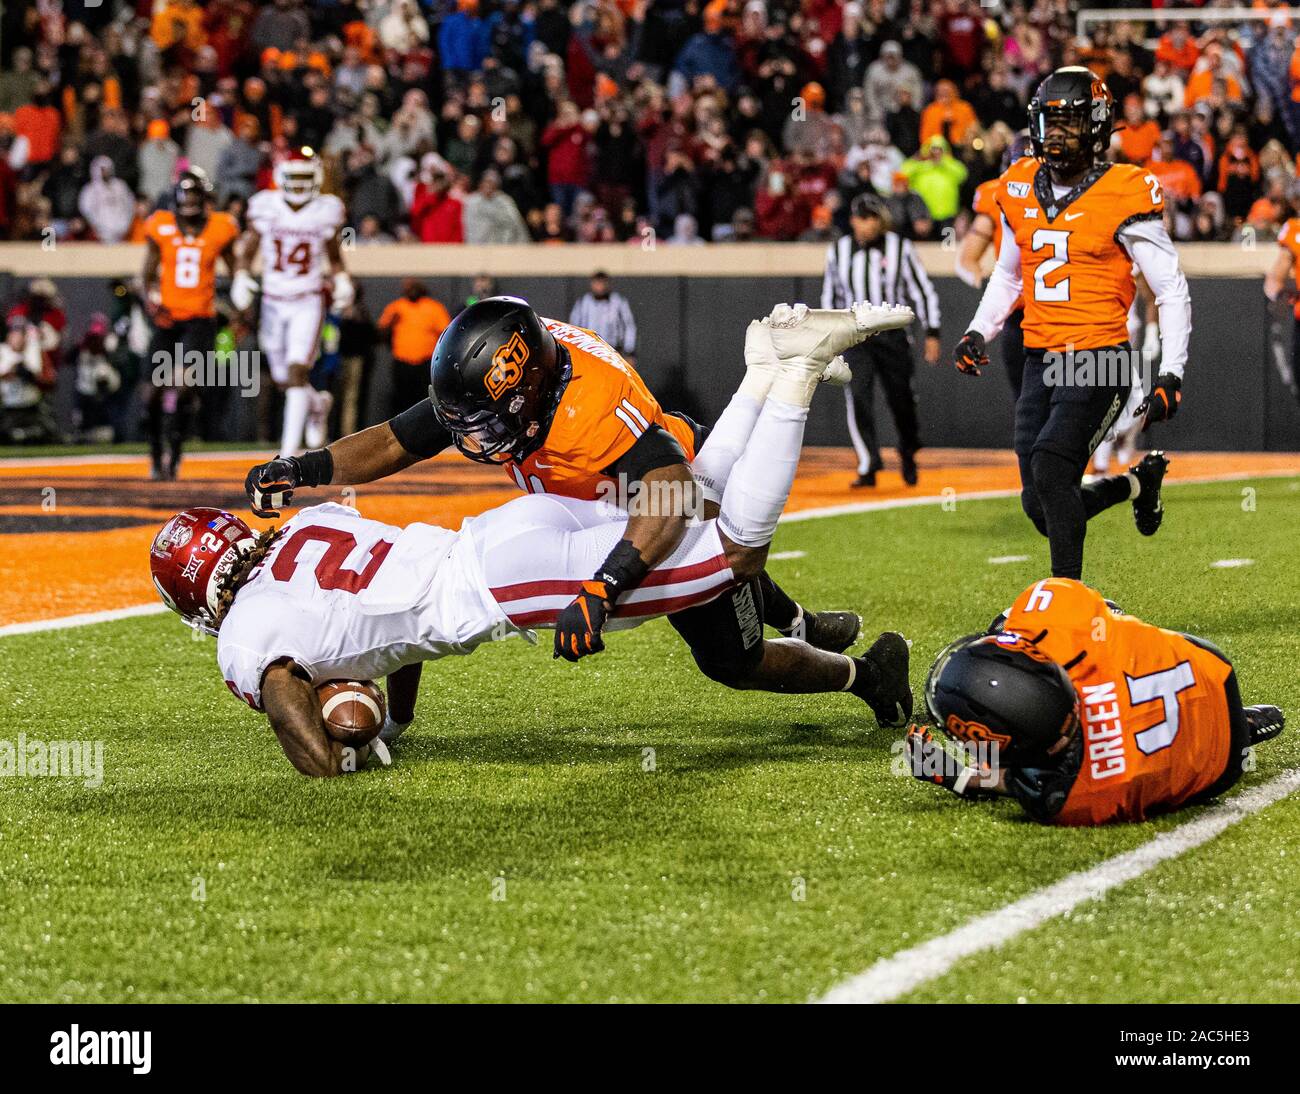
<point>1162,403</point>
<point>270,485</point>
<point>971,353</point>
<point>578,627</point>
<point>930,762</point>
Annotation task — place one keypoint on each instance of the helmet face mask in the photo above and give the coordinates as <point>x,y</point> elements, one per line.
<point>190,558</point>
<point>191,193</point>
<point>1070,120</point>
<point>300,179</point>
<point>495,380</point>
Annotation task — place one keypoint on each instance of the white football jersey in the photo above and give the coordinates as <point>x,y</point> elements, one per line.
<point>294,240</point>
<point>351,598</point>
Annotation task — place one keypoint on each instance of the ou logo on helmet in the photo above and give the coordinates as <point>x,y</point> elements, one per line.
<point>507,366</point>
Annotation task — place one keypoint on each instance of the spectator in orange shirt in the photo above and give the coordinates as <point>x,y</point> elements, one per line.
<point>415,320</point>
<point>1270,210</point>
<point>1139,135</point>
<point>1178,48</point>
<point>1212,76</point>
<point>949,116</point>
<point>1238,176</point>
<point>41,123</point>
<point>1179,181</point>
<point>178,23</point>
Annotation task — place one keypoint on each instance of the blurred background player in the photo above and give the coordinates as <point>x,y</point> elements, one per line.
<point>1275,288</point>
<point>1085,715</point>
<point>985,235</point>
<point>180,289</point>
<point>873,263</point>
<point>297,231</point>
<point>1074,226</point>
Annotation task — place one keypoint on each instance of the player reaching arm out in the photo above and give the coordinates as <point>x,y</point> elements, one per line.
<point>294,712</point>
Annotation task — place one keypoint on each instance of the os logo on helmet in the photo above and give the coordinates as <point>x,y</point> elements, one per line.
<point>507,366</point>
<point>974,731</point>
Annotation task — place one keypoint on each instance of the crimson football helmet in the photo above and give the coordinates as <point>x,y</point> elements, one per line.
<point>299,177</point>
<point>191,555</point>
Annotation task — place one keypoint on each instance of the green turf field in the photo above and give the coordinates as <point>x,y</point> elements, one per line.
<point>521,850</point>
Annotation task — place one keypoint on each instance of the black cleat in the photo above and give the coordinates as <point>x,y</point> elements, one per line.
<point>831,631</point>
<point>909,468</point>
<point>866,479</point>
<point>1148,506</point>
<point>1264,723</point>
<point>883,680</point>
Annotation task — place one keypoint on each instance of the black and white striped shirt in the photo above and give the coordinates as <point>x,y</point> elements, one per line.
<point>611,318</point>
<point>873,273</point>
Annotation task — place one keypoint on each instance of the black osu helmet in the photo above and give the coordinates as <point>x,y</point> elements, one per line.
<point>1076,96</point>
<point>1001,689</point>
<point>192,192</point>
<point>495,380</point>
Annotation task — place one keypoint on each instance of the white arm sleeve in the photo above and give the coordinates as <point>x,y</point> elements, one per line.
<point>1002,291</point>
<point>1153,251</point>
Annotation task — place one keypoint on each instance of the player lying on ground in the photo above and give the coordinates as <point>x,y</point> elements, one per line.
<point>335,596</point>
<point>561,412</point>
<point>1085,715</point>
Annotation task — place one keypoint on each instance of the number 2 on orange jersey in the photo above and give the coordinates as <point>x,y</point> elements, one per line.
<point>1059,242</point>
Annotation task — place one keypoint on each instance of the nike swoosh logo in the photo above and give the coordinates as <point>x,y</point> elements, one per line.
<point>543,466</point>
<point>1073,216</point>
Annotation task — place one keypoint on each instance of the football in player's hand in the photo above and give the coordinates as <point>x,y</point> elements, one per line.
<point>353,710</point>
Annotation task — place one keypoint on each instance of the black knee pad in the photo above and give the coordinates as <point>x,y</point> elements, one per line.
<point>726,634</point>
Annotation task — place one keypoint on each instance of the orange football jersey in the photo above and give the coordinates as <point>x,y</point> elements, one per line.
<point>604,409</point>
<point>1078,284</point>
<point>1154,713</point>
<point>986,202</point>
<point>1289,240</point>
<point>188,267</point>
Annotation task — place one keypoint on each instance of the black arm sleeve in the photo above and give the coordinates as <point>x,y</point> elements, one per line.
<point>419,431</point>
<point>655,448</point>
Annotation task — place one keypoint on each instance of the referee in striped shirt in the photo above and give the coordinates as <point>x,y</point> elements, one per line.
<point>608,314</point>
<point>871,262</point>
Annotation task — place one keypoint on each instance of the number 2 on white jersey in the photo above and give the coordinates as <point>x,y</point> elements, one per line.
<point>1059,242</point>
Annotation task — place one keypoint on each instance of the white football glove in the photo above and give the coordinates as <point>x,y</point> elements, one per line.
<point>344,294</point>
<point>243,290</point>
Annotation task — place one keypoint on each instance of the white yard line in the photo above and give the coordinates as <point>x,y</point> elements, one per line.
<point>893,977</point>
<point>84,620</point>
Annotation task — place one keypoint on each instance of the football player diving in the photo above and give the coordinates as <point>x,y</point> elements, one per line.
<point>1085,715</point>
<point>563,413</point>
<point>333,595</point>
<point>1073,228</point>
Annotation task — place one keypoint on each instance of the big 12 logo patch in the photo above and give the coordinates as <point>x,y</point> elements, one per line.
<point>507,366</point>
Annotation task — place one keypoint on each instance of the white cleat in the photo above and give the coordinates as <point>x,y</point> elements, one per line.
<point>759,352</point>
<point>873,318</point>
<point>813,337</point>
<point>837,373</point>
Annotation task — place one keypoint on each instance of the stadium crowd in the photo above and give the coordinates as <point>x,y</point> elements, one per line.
<point>498,121</point>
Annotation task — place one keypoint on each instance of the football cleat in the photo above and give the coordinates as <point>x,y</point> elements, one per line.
<point>806,335</point>
<point>1148,506</point>
<point>834,632</point>
<point>867,478</point>
<point>889,694</point>
<point>1264,723</point>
